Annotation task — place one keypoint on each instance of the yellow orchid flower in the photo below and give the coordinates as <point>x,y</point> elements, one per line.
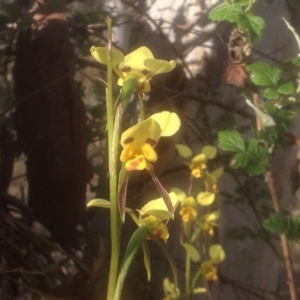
<point>188,206</point>
<point>188,209</point>
<point>198,163</point>
<point>155,216</point>
<point>139,64</point>
<point>209,269</point>
<point>138,153</point>
<point>171,292</point>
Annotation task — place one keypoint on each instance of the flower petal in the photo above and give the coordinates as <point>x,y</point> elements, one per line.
<point>209,151</point>
<point>158,208</point>
<point>157,66</point>
<point>141,132</point>
<point>135,60</point>
<point>181,195</point>
<point>162,191</point>
<point>206,198</point>
<point>184,150</point>
<point>149,153</point>
<point>192,251</point>
<point>100,55</point>
<point>99,203</point>
<point>216,253</point>
<point>199,158</point>
<point>169,122</point>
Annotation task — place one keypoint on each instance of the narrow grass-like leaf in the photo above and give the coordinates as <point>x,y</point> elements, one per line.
<point>133,246</point>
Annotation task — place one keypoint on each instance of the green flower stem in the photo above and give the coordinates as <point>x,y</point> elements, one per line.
<point>142,107</point>
<point>187,229</point>
<point>115,220</point>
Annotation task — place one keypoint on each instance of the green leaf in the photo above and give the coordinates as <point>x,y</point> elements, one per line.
<point>278,222</point>
<point>184,150</point>
<point>296,61</point>
<point>271,93</point>
<point>286,88</point>
<point>258,156</point>
<point>147,259</point>
<point>225,11</point>
<point>240,160</point>
<point>136,241</point>
<point>263,74</point>
<point>255,27</point>
<point>127,90</point>
<point>231,141</point>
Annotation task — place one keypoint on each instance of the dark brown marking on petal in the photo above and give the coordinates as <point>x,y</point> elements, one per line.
<point>126,69</point>
<point>145,71</point>
<point>151,142</point>
<point>129,140</point>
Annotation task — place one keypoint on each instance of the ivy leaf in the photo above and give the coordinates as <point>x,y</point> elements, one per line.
<point>231,141</point>
<point>225,11</point>
<point>278,222</point>
<point>263,74</point>
<point>271,93</point>
<point>286,88</point>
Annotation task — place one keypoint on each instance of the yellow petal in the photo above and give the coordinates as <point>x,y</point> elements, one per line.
<point>184,150</point>
<point>149,153</point>
<point>189,201</point>
<point>162,232</point>
<point>169,289</point>
<point>100,54</point>
<point>158,208</point>
<point>181,195</point>
<point>217,173</point>
<point>192,251</point>
<point>216,253</point>
<point>199,158</point>
<point>99,203</point>
<point>157,66</point>
<point>148,130</point>
<point>212,217</point>
<point>209,271</point>
<point>135,60</point>
<point>209,151</point>
<point>206,198</point>
<point>169,122</point>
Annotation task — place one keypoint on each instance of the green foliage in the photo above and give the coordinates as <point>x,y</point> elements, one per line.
<point>282,224</point>
<point>250,156</point>
<point>262,74</point>
<point>283,118</point>
<point>231,141</point>
<point>235,12</point>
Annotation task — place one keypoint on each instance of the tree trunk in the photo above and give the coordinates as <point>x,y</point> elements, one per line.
<point>50,119</point>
